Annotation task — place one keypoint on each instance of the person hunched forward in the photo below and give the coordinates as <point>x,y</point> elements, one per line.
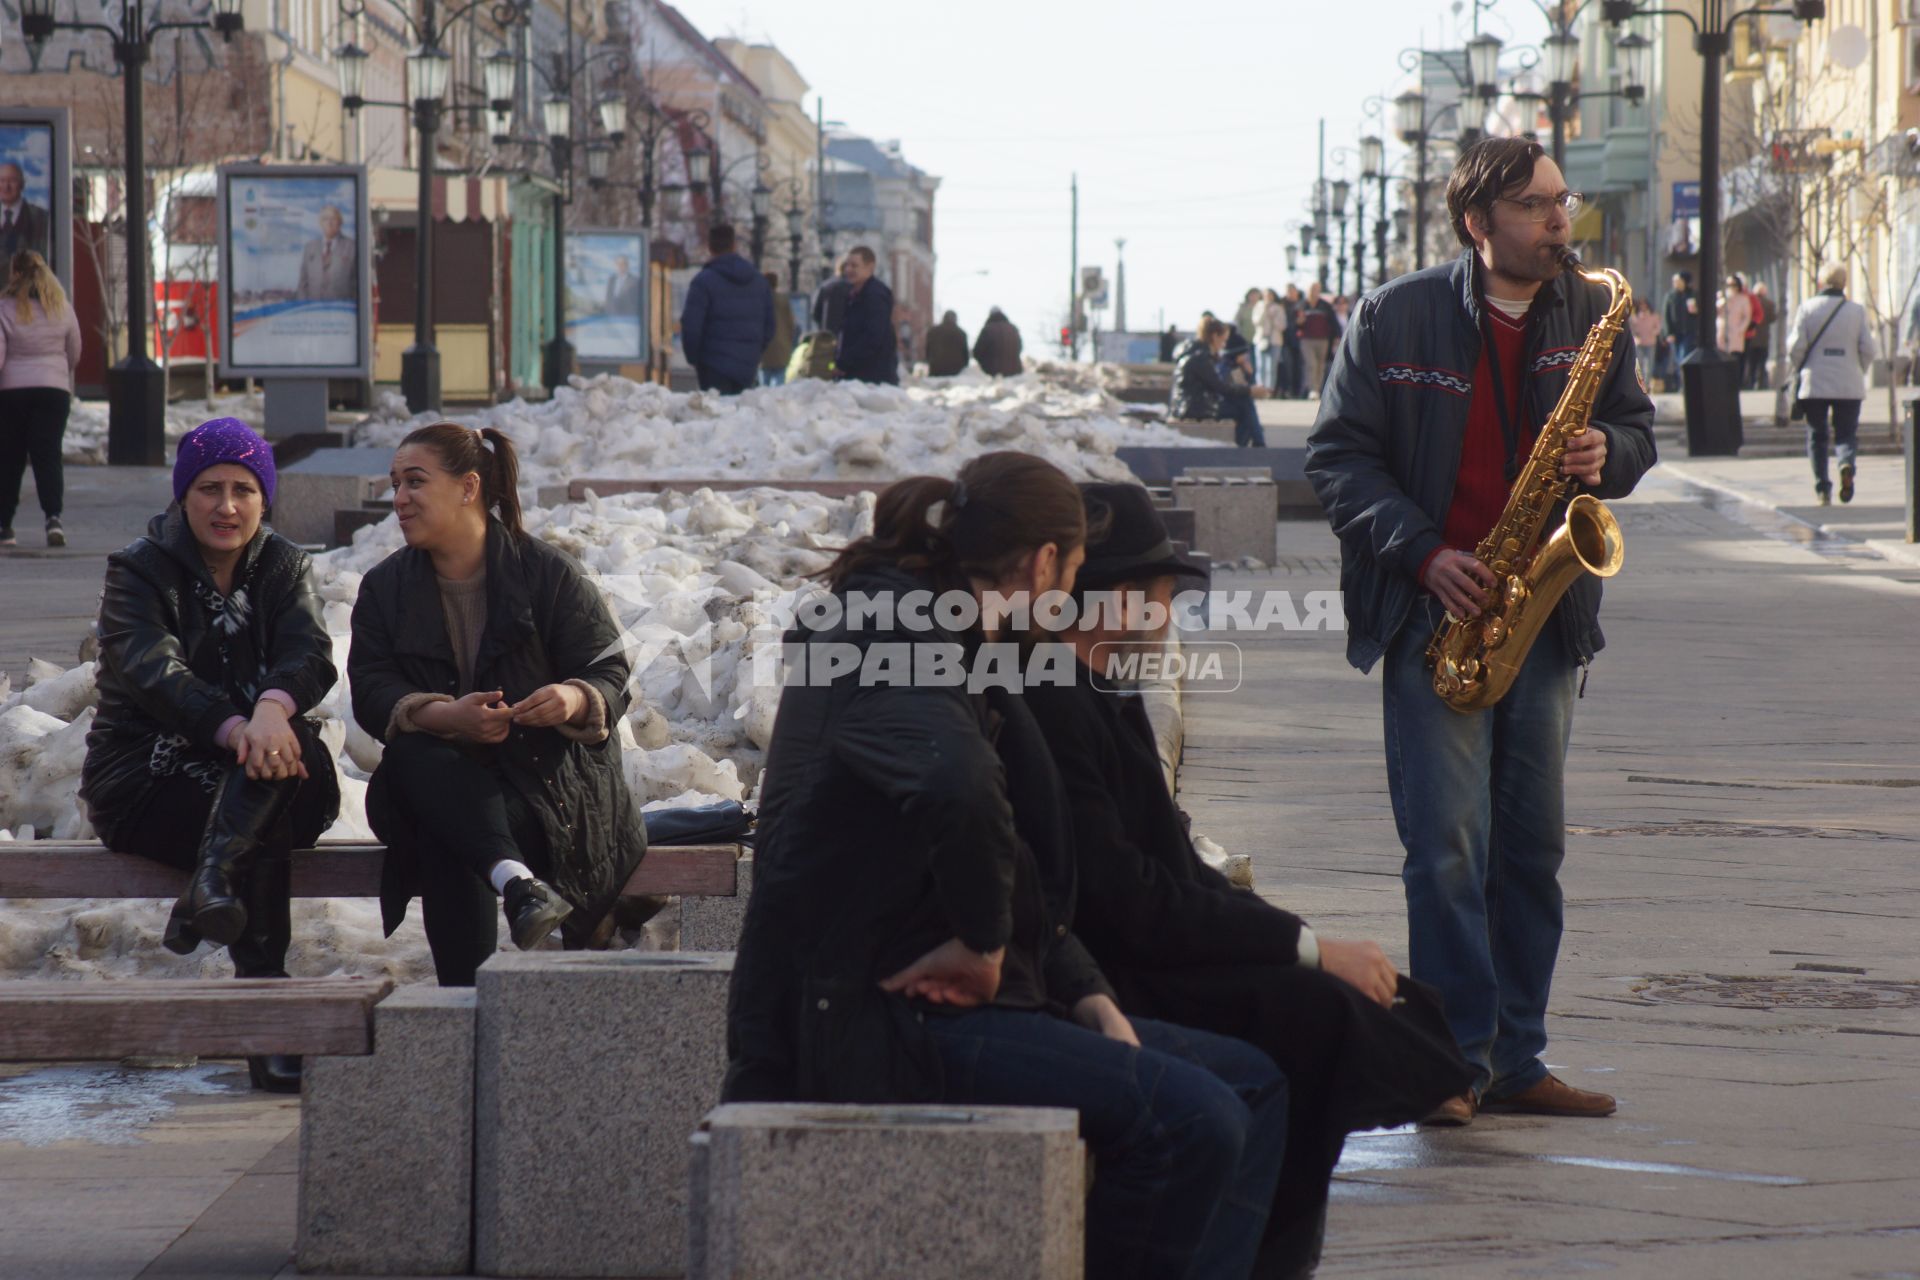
<point>909,937</point>
<point>492,671</point>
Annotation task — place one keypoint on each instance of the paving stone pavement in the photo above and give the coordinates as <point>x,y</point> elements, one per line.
<point>1741,964</point>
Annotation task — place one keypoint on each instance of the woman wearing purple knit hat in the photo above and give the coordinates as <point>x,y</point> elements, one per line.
<point>212,652</point>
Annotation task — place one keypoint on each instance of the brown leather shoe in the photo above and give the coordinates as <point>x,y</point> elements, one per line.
<point>1554,1097</point>
<point>1454,1113</point>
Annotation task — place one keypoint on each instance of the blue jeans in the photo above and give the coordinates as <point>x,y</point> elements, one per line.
<point>1480,805</point>
<point>1846,431</point>
<point>1187,1131</point>
<point>1264,361</point>
<point>773,377</point>
<point>1246,423</point>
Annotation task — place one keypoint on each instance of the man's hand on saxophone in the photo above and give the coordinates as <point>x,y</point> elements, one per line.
<point>1586,455</point>
<point>1459,581</point>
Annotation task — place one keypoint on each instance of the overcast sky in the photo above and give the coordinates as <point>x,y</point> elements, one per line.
<point>1193,128</point>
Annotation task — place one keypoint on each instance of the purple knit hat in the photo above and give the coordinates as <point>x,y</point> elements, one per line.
<point>218,441</point>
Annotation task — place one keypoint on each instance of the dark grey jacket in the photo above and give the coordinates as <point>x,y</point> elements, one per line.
<point>545,624</point>
<point>1386,447</point>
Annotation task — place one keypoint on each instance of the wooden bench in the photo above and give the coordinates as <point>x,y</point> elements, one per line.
<point>43,1021</point>
<point>332,869</point>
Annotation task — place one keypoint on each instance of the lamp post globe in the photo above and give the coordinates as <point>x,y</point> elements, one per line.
<point>1483,64</point>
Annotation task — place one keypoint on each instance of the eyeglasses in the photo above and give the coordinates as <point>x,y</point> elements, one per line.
<point>1536,207</point>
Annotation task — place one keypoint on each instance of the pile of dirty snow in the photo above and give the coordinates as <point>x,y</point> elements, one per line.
<point>697,582</point>
<point>609,427</point>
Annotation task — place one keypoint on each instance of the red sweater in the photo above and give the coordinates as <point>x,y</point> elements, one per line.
<point>1481,488</point>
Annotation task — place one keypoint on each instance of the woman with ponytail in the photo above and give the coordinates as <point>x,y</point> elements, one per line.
<point>39,349</point>
<point>909,938</point>
<point>494,674</point>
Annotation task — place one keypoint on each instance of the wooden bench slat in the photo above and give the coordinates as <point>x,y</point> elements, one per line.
<point>84,869</point>
<point>43,1021</point>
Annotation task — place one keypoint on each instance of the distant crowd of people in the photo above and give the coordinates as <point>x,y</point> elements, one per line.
<point>739,328</point>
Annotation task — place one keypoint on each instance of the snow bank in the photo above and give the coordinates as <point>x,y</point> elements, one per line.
<point>697,582</point>
<point>85,443</point>
<point>610,427</point>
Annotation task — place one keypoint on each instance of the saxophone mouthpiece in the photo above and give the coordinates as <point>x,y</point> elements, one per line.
<point>1568,260</point>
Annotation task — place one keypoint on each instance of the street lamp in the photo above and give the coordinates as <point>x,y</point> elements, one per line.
<point>499,70</point>
<point>1306,238</point>
<point>796,232</point>
<point>1710,379</point>
<point>136,387</point>
<point>1410,119</point>
<point>1373,167</point>
<point>761,203</point>
<point>1483,64</point>
<point>1293,258</point>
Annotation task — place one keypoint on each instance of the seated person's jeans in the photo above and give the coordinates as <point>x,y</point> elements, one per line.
<point>1187,1132</point>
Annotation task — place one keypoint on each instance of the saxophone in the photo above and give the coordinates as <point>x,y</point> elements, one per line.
<point>1475,660</point>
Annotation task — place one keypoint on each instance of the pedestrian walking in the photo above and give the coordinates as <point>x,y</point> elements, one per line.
<point>1759,336</point>
<point>868,347</point>
<point>1243,319</point>
<point>1269,321</point>
<point>203,754</point>
<point>1292,374</point>
<point>1681,317</point>
<point>1645,326</point>
<point>997,346</point>
<point>1318,329</point>
<point>1736,315</point>
<point>728,320</point>
<point>39,349</point>
<point>830,302</point>
<point>1438,389</point>
<point>1171,339</point>
<point>1831,347</point>
<point>946,347</point>
<point>779,352</point>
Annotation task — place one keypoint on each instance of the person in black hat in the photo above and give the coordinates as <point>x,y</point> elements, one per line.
<point>1361,1046</point>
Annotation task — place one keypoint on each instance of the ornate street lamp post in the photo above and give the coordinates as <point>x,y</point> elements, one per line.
<point>136,387</point>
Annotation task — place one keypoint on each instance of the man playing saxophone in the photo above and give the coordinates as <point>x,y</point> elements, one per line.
<point>1439,388</point>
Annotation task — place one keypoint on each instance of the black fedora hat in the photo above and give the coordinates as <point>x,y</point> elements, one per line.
<point>1134,545</point>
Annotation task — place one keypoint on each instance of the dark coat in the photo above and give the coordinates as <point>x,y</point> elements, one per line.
<point>1181,944</point>
<point>1385,450</point>
<point>545,624</point>
<point>728,320</point>
<point>1681,323</point>
<point>869,349</point>
<point>168,676</point>
<point>894,818</point>
<point>998,347</point>
<point>1200,393</point>
<point>830,304</point>
<point>946,349</point>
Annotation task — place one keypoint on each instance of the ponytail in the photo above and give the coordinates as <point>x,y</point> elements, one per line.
<point>503,485</point>
<point>999,510</point>
<point>487,453</point>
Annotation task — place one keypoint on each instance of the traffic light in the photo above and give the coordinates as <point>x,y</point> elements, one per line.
<point>1066,335</point>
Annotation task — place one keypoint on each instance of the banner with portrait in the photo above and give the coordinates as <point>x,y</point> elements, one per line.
<point>294,271</point>
<point>607,295</point>
<point>36,188</point>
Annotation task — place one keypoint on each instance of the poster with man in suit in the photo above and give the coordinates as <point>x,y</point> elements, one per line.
<point>26,217</point>
<point>293,269</point>
<point>329,269</point>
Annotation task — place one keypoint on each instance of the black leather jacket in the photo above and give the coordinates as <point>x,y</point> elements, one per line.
<point>1200,394</point>
<point>166,681</point>
<point>894,817</point>
<point>545,623</point>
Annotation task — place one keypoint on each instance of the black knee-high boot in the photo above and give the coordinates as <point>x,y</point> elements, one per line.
<point>245,811</point>
<point>261,949</point>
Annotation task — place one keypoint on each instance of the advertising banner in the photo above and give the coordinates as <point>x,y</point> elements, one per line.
<point>607,296</point>
<point>36,189</point>
<point>294,271</point>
